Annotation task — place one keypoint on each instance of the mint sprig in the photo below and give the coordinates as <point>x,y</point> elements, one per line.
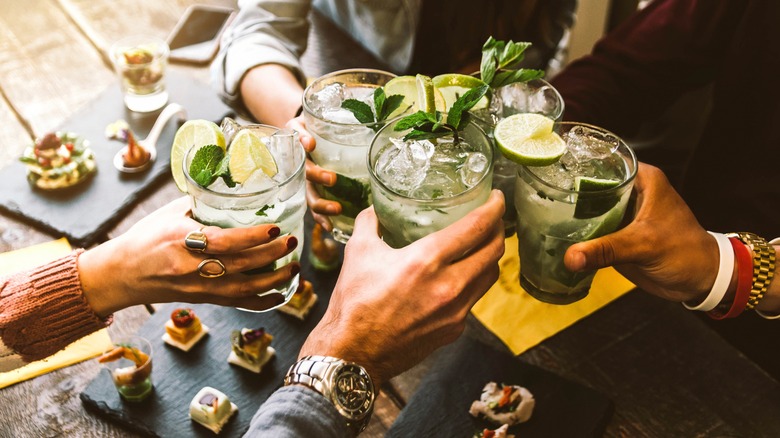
<point>425,125</point>
<point>499,63</point>
<point>383,107</point>
<point>209,163</point>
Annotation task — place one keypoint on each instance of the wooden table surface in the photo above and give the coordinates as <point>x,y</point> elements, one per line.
<point>667,373</point>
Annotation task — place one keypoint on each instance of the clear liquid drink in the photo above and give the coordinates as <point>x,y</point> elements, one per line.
<point>342,141</point>
<point>581,197</point>
<point>422,186</point>
<point>279,200</point>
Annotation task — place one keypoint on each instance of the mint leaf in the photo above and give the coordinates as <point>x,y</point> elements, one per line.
<point>352,194</point>
<point>416,119</point>
<point>512,76</point>
<point>262,211</point>
<point>416,134</point>
<point>487,67</point>
<point>500,55</point>
<point>512,54</point>
<point>465,103</point>
<point>204,165</point>
<point>379,102</point>
<point>361,110</point>
<point>391,104</point>
<point>223,171</point>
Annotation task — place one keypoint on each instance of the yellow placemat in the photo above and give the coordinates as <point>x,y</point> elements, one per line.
<point>85,348</point>
<point>521,321</point>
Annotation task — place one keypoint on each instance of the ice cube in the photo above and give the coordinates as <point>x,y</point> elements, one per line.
<point>438,183</point>
<point>340,115</point>
<point>258,181</point>
<point>329,97</point>
<point>586,144</point>
<point>403,166</point>
<point>472,170</point>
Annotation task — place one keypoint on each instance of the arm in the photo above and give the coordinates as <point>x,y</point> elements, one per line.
<point>679,266</point>
<point>46,308</point>
<point>271,34</point>
<point>645,64</point>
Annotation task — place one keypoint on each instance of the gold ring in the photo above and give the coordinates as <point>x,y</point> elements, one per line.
<point>206,273</point>
<point>196,240</point>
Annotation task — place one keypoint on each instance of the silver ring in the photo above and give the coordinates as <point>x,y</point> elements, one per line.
<point>206,274</point>
<point>196,241</point>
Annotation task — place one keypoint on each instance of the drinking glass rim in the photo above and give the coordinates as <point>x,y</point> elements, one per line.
<point>373,177</point>
<point>308,110</point>
<point>277,186</point>
<point>625,182</point>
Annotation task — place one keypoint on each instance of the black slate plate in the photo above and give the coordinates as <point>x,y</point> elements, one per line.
<point>440,406</point>
<point>108,193</point>
<point>178,376</point>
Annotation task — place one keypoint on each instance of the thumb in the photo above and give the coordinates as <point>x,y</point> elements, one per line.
<point>612,249</point>
<point>366,227</point>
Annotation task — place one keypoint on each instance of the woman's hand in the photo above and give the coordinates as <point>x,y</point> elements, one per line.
<point>151,264</point>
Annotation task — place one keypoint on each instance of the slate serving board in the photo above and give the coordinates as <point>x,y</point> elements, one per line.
<point>108,193</point>
<point>439,407</point>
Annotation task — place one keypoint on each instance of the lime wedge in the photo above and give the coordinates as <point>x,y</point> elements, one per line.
<point>192,133</point>
<point>247,154</point>
<point>589,184</point>
<point>590,203</point>
<point>426,97</point>
<point>529,140</point>
<point>407,86</point>
<point>454,85</point>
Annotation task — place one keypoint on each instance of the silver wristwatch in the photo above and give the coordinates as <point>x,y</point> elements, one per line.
<point>345,384</point>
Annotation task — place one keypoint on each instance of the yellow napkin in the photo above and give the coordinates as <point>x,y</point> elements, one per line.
<point>521,321</point>
<point>85,348</point>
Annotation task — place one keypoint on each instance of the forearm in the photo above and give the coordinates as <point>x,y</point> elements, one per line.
<point>42,311</point>
<point>271,93</point>
<point>297,411</point>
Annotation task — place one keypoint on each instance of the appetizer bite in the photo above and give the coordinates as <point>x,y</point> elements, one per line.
<point>504,404</point>
<point>184,329</point>
<point>133,157</point>
<point>211,408</point>
<point>251,349</point>
<point>131,370</point>
<point>301,302</point>
<point>501,432</point>
<point>58,160</point>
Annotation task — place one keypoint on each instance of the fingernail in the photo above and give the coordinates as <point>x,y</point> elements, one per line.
<point>332,209</point>
<point>274,232</point>
<point>292,242</point>
<point>578,261</point>
<point>295,270</point>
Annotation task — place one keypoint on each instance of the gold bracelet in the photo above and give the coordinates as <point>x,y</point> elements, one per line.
<point>763,265</point>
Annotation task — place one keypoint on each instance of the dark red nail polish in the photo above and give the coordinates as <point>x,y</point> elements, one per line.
<point>295,269</point>
<point>274,232</point>
<point>292,242</point>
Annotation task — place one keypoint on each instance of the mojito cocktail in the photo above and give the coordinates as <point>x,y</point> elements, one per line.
<point>580,197</point>
<point>266,165</point>
<point>422,186</point>
<point>342,141</point>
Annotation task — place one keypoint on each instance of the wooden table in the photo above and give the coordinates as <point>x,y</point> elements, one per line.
<point>667,373</point>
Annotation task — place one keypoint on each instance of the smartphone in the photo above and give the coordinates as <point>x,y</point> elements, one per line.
<point>195,39</point>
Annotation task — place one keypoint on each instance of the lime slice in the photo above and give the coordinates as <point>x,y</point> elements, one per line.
<point>590,203</point>
<point>454,85</point>
<point>528,139</point>
<point>247,154</point>
<point>589,184</point>
<point>407,86</point>
<point>192,133</point>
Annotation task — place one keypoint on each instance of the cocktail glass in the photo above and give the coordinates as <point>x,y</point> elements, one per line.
<point>420,187</point>
<point>581,197</point>
<point>279,200</point>
<point>132,370</point>
<point>140,62</point>
<point>535,96</point>
<point>342,141</point>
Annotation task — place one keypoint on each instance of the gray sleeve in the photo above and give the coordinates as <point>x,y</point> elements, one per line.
<point>297,411</point>
<point>263,32</point>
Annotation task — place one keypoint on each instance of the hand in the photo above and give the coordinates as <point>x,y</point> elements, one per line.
<point>150,264</point>
<point>392,307</point>
<point>663,250</point>
<point>320,208</point>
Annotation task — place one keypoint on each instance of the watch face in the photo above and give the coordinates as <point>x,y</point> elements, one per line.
<point>354,391</point>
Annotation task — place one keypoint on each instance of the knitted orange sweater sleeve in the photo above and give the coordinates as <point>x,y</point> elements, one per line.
<point>44,309</point>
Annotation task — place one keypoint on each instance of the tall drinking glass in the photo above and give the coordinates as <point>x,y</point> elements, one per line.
<point>279,200</point>
<point>535,96</point>
<point>581,197</point>
<point>422,186</point>
<point>342,141</point>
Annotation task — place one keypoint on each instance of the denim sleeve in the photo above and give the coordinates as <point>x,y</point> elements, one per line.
<point>297,411</point>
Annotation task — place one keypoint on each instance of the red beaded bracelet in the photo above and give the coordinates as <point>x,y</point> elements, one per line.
<point>744,259</point>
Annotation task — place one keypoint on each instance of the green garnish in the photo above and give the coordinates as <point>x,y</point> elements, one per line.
<point>351,193</point>
<point>262,211</point>
<point>425,125</point>
<point>499,62</point>
<point>205,163</point>
<point>383,107</point>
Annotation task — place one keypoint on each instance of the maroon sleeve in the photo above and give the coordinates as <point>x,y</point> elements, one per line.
<point>44,309</point>
<point>644,65</point>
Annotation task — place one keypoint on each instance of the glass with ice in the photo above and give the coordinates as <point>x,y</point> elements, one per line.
<point>580,197</point>
<point>342,141</point>
<point>422,186</point>
<point>260,196</point>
